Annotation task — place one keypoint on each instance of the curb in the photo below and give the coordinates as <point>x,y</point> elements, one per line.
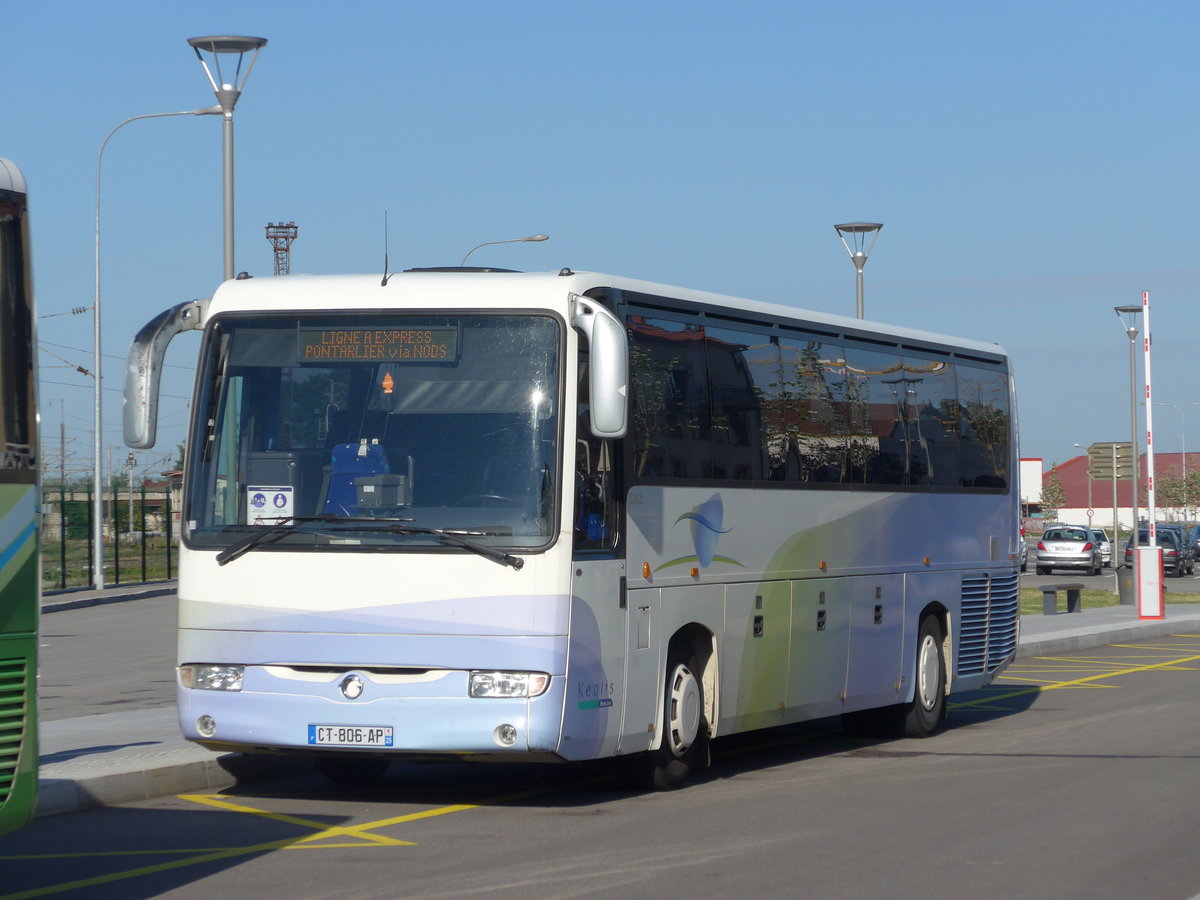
<point>80,600</point>
<point>1042,646</point>
<point>63,795</point>
<point>179,769</point>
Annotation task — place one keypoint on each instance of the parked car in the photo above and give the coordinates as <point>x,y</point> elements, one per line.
<point>1067,547</point>
<point>1187,547</point>
<point>1193,537</point>
<point>1023,552</point>
<point>1186,537</point>
<point>1179,559</point>
<point>1105,546</point>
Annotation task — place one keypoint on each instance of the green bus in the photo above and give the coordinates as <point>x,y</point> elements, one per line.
<point>20,579</point>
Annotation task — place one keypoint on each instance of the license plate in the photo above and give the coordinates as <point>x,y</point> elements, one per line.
<point>1062,548</point>
<point>350,735</point>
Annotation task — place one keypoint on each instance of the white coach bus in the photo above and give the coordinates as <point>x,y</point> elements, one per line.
<point>567,516</point>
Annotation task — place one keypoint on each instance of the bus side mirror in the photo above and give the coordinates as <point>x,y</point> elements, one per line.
<point>608,372</point>
<point>143,369</point>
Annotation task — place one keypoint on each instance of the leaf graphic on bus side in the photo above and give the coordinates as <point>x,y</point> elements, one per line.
<point>707,527</point>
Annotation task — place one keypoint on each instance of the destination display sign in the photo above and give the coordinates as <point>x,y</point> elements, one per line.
<point>432,344</point>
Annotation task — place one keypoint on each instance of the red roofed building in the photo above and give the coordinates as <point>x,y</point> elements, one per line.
<point>1073,476</point>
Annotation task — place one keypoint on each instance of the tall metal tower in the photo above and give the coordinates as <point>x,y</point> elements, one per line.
<point>281,237</point>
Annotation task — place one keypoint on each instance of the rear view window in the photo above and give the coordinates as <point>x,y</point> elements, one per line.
<point>1065,534</point>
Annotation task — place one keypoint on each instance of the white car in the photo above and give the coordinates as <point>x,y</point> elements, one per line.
<point>1105,546</point>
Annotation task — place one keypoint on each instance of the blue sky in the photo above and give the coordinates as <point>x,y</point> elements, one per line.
<point>1033,164</point>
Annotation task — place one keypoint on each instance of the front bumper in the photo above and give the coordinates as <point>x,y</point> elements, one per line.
<point>432,717</point>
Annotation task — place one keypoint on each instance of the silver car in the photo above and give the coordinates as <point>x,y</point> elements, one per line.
<point>1068,547</point>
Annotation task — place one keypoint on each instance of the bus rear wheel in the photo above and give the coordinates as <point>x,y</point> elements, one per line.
<point>928,707</point>
<point>925,713</point>
<point>683,748</point>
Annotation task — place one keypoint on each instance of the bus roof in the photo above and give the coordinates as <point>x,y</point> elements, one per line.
<point>517,289</point>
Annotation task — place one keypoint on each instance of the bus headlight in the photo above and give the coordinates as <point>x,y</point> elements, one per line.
<point>508,684</point>
<point>211,676</point>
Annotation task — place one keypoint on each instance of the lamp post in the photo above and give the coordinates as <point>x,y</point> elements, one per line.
<point>522,240</point>
<point>130,462</point>
<point>857,232</point>
<point>1128,316</point>
<point>227,92</point>
<point>98,467</point>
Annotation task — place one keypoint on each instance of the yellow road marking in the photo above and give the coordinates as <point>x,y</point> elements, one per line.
<point>1165,665</point>
<point>216,856</point>
<point>1086,681</point>
<point>1061,684</point>
<point>28,857</point>
<point>1111,662</point>
<point>201,857</point>
<point>321,830</point>
<point>324,831</point>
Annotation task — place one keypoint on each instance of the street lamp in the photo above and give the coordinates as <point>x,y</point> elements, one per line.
<point>228,92</point>
<point>130,462</point>
<point>1128,316</point>
<point>98,469</point>
<point>532,237</point>
<point>857,232</point>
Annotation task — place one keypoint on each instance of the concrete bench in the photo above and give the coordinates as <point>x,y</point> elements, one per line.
<point>1050,594</point>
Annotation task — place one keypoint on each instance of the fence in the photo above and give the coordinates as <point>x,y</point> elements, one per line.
<point>139,534</point>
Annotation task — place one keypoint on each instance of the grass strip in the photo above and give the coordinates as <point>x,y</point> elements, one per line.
<point>1031,599</point>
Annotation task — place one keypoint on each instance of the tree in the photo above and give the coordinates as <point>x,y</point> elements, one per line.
<point>1175,494</point>
<point>1054,496</point>
<point>653,411</point>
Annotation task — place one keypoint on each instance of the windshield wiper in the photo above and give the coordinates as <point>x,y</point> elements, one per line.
<point>229,554</point>
<point>395,525</point>
<point>458,540</point>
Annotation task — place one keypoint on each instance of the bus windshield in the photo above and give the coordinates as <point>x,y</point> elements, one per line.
<point>443,421</point>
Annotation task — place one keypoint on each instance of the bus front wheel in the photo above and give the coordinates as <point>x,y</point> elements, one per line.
<point>683,748</point>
